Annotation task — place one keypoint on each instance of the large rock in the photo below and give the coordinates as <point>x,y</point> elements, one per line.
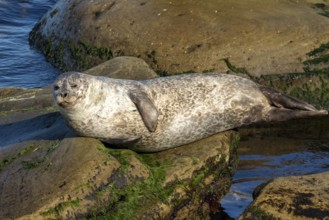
<point>124,68</point>
<point>296,197</point>
<point>46,172</point>
<point>18,104</point>
<point>80,178</point>
<point>177,36</point>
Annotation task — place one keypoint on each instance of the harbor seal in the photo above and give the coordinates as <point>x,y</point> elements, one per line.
<point>166,112</point>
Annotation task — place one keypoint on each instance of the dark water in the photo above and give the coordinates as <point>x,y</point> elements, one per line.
<point>21,65</point>
<point>292,148</point>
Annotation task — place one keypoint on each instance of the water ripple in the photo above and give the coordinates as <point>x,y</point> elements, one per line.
<point>21,65</point>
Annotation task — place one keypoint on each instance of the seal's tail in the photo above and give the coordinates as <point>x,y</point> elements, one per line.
<point>286,107</point>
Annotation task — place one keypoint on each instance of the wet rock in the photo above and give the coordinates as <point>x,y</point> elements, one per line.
<point>295,197</point>
<point>80,178</point>
<point>262,37</point>
<point>18,104</point>
<point>124,68</point>
<point>49,126</point>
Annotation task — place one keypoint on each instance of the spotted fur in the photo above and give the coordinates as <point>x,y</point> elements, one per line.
<point>182,109</point>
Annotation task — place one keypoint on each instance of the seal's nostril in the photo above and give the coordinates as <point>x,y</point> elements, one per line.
<point>64,94</point>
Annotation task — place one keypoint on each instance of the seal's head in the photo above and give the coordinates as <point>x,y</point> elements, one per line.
<point>69,87</point>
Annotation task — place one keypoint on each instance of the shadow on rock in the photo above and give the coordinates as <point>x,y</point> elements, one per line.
<point>49,126</point>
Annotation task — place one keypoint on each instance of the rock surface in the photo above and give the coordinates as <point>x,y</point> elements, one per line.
<point>124,68</point>
<point>295,197</point>
<point>80,178</point>
<point>178,36</point>
<point>46,172</point>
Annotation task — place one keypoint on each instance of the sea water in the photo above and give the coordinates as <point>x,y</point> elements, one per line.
<point>20,64</point>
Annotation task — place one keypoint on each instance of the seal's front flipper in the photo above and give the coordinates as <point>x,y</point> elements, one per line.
<point>282,114</point>
<point>146,108</point>
<point>280,100</point>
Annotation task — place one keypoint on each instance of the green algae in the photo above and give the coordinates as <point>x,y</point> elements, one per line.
<point>127,202</point>
<point>86,55</point>
<point>23,152</point>
<point>200,176</point>
<point>236,69</point>
<point>152,56</point>
<point>318,96</point>
<point>121,155</point>
<point>322,59</point>
<point>60,207</point>
<point>81,54</point>
<point>24,110</point>
<point>324,9</point>
<point>311,88</point>
<point>259,214</point>
<point>312,85</point>
<point>320,49</point>
<point>137,197</point>
<point>31,164</point>
<point>53,12</point>
<point>83,186</point>
<point>318,56</point>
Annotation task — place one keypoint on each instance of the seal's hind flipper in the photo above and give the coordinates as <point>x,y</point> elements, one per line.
<point>282,114</point>
<point>146,108</point>
<point>280,100</point>
<point>285,107</point>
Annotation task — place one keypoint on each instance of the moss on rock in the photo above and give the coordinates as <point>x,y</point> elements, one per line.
<point>312,85</point>
<point>256,213</point>
<point>294,197</point>
<point>81,54</point>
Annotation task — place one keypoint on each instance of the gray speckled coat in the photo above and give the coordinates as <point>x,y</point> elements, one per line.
<point>162,113</point>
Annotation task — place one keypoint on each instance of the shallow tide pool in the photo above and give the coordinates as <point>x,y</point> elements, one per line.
<point>291,148</point>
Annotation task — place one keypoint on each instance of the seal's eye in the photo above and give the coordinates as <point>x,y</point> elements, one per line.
<point>74,86</point>
<point>56,87</point>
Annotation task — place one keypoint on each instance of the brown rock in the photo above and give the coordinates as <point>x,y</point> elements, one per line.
<point>294,197</point>
<point>124,68</point>
<point>264,37</point>
<point>80,178</point>
<point>51,175</point>
<point>18,104</point>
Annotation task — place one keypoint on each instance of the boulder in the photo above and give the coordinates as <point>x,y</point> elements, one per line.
<point>295,197</point>
<point>80,178</point>
<point>262,37</point>
<point>124,68</point>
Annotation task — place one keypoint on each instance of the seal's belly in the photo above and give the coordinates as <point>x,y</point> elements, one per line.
<point>108,126</point>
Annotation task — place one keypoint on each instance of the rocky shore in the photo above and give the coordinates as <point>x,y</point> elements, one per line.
<point>47,172</point>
